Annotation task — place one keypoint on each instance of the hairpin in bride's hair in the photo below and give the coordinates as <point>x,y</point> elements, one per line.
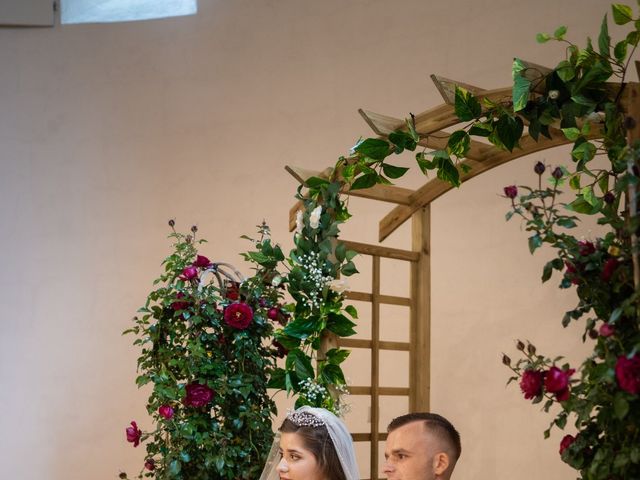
<point>304,419</point>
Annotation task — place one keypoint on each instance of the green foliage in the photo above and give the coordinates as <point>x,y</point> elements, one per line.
<point>185,340</point>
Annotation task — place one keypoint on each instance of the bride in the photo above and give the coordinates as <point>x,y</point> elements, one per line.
<point>312,444</point>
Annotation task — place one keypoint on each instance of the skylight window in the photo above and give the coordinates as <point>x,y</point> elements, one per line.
<point>105,11</point>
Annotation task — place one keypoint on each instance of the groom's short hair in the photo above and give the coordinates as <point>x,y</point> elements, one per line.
<point>436,424</point>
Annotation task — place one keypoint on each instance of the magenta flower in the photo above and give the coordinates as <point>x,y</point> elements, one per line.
<point>133,434</point>
<point>189,273</point>
<point>606,330</point>
<point>198,395</point>
<point>272,314</point>
<point>531,383</point>
<point>238,315</point>
<point>608,268</point>
<point>178,304</point>
<point>150,464</point>
<point>166,412</point>
<point>566,442</point>
<point>511,191</point>
<point>628,373</point>
<point>557,381</point>
<point>201,262</point>
<point>586,248</point>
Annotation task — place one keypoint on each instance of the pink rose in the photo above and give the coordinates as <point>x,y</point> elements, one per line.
<point>166,411</point>
<point>201,262</point>
<point>189,273</point>
<point>150,464</point>
<point>511,191</point>
<point>557,381</point>
<point>198,395</point>
<point>238,315</point>
<point>608,268</point>
<point>606,330</point>
<point>566,442</point>
<point>628,373</point>
<point>531,383</point>
<point>134,434</point>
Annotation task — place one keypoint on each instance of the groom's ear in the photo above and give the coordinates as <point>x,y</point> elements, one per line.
<point>440,463</point>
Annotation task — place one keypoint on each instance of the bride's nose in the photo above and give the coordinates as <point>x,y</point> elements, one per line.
<point>282,466</point>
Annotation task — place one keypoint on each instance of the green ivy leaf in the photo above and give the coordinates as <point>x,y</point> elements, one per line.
<point>448,172</point>
<point>583,151</point>
<point>351,310</point>
<point>571,133</point>
<point>509,130</point>
<point>332,374</point>
<point>466,105</point>
<point>620,50</point>
<point>535,241</point>
<point>459,143</point>
<point>340,325</point>
<point>481,129</point>
<point>349,269</point>
<point>604,40</point>
<point>543,37</point>
<point>621,13</point>
<point>300,363</point>
<point>374,148</point>
<point>336,356</point>
<point>565,71</point>
<point>316,182</point>
<point>276,379</point>
<point>580,205</point>
<point>392,171</point>
<point>560,32</point>
<point>301,327</point>
<point>423,163</point>
<point>620,405</point>
<point>365,181</point>
<point>521,86</point>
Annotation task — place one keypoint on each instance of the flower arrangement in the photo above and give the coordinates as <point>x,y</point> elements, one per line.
<point>203,335</point>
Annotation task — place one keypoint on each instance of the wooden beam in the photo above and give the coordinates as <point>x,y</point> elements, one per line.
<point>447,88</point>
<point>375,364</point>
<point>434,188</point>
<point>386,391</point>
<point>366,437</point>
<point>382,125</point>
<point>381,251</point>
<point>384,345</point>
<point>386,299</point>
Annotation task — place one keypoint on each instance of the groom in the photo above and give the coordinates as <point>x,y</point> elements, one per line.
<point>421,446</point>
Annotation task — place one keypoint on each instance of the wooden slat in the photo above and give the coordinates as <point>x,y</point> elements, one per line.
<point>375,364</point>
<point>382,125</point>
<point>386,299</point>
<point>390,391</point>
<point>381,251</point>
<point>447,88</point>
<point>420,319</point>
<point>435,188</point>
<point>366,437</point>
<point>384,345</point>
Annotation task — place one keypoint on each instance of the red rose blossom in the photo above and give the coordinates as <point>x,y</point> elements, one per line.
<point>566,442</point>
<point>179,305</point>
<point>189,273</point>
<point>606,330</point>
<point>272,313</point>
<point>531,383</point>
<point>150,464</point>
<point>586,248</point>
<point>511,191</point>
<point>608,268</point>
<point>281,351</point>
<point>201,262</point>
<point>557,381</point>
<point>628,373</point>
<point>198,395</point>
<point>232,291</point>
<point>238,315</point>
<point>133,434</point>
<point>166,411</point>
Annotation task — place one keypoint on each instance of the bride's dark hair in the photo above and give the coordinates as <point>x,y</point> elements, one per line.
<point>316,439</point>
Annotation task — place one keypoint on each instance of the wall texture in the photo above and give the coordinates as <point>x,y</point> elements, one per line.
<point>107,131</point>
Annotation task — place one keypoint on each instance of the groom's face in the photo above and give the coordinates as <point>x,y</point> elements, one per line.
<point>409,453</point>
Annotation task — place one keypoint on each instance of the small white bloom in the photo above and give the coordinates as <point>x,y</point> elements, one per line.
<point>299,222</point>
<point>594,117</point>
<point>338,285</point>
<point>276,280</point>
<point>553,94</point>
<point>314,218</point>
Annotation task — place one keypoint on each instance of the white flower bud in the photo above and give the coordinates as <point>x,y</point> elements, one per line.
<point>314,218</point>
<point>553,94</point>
<point>338,285</point>
<point>299,222</point>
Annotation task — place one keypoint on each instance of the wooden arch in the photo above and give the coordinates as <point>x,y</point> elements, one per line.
<point>415,205</point>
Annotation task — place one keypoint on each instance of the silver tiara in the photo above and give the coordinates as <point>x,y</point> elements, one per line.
<point>304,419</point>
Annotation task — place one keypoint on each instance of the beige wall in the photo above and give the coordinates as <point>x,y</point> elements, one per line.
<point>106,131</point>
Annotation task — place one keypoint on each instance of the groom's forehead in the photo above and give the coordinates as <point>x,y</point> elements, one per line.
<point>407,436</point>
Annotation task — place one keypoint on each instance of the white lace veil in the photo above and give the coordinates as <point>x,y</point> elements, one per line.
<point>340,437</point>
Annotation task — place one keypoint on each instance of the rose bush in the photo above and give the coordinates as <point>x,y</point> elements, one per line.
<point>206,356</point>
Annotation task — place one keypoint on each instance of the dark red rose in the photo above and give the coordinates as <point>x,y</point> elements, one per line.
<point>608,268</point>
<point>238,315</point>
<point>557,381</point>
<point>606,330</point>
<point>531,383</point>
<point>586,248</point>
<point>281,351</point>
<point>150,464</point>
<point>609,197</point>
<point>178,305</point>
<point>232,291</point>
<point>539,168</point>
<point>571,272</point>
<point>511,191</point>
<point>557,173</point>
<point>134,434</point>
<point>166,411</point>
<point>198,395</point>
<point>566,442</point>
<point>189,273</point>
<point>201,262</point>
<point>272,314</point>
<point>563,395</point>
<point>628,373</point>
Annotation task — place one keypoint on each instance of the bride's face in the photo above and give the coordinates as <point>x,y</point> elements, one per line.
<point>297,462</point>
